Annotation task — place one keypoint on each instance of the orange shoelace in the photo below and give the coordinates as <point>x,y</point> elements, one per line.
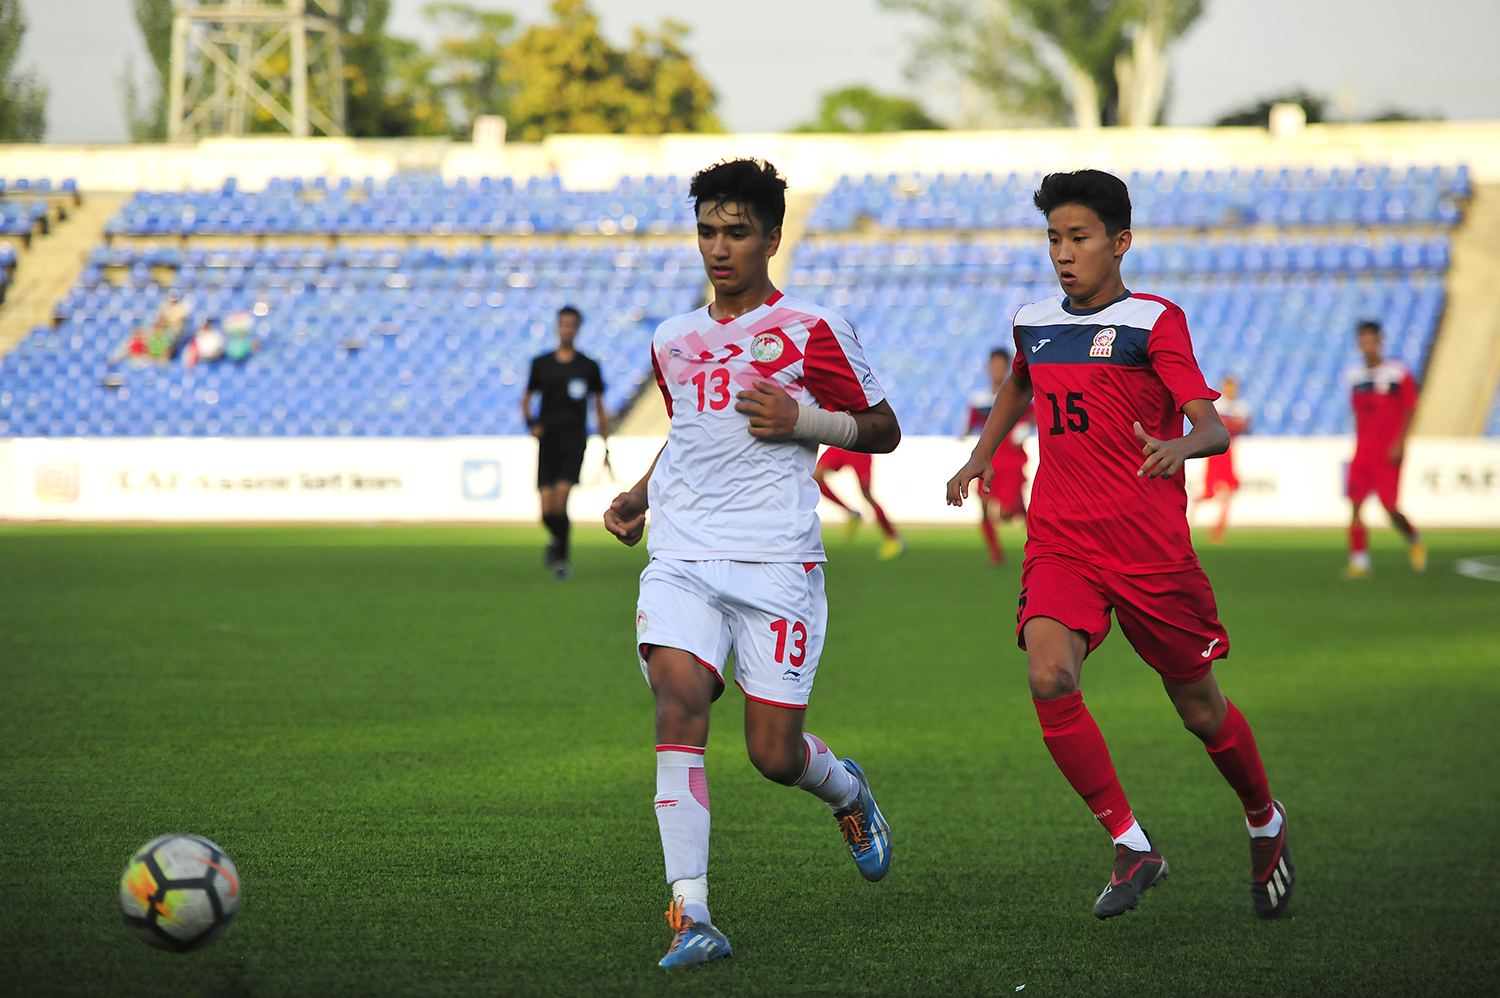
<point>853,828</point>
<point>676,919</point>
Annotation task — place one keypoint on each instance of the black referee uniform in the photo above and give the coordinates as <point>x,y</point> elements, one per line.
<point>565,389</point>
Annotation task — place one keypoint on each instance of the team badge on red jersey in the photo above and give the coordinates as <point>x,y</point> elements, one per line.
<point>1104,343</point>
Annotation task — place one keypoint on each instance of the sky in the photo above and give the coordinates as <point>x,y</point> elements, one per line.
<point>770,61</point>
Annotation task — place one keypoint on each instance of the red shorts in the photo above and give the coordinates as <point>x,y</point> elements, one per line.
<point>1379,477</point>
<point>1169,618</point>
<point>837,459</point>
<point>1219,474</point>
<point>1006,490</point>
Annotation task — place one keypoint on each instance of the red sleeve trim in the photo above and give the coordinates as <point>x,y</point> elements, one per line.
<point>661,381</point>
<point>827,373</point>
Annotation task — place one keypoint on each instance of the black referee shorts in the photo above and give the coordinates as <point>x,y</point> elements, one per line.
<point>560,456</point>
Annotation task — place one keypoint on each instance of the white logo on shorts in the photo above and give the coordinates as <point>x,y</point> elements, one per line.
<point>1211,647</point>
<point>640,622</point>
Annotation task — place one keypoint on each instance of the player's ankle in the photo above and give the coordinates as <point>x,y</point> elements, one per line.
<point>1271,828</point>
<point>1134,837</point>
<point>1360,559</point>
<point>694,894</point>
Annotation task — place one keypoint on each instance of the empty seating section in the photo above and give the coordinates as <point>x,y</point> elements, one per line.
<point>27,209</point>
<point>349,341</point>
<point>1367,196</point>
<point>1280,316</point>
<point>411,206</point>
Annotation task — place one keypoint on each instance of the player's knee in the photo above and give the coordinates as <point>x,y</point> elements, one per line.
<point>1050,677</point>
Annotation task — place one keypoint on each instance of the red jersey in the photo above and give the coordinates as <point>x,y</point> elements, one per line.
<point>1384,398</point>
<point>1093,374</point>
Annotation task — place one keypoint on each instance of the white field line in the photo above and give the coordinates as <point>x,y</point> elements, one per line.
<point>1487,568</point>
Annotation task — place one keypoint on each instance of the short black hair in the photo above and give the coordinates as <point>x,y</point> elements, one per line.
<point>1369,325</point>
<point>1103,192</point>
<point>1001,352</point>
<point>570,310</point>
<point>753,183</point>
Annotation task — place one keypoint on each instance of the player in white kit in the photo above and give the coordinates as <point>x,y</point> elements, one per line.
<point>753,383</point>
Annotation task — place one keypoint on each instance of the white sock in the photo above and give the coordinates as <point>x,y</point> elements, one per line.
<point>1134,838</point>
<point>1269,829</point>
<point>1360,559</point>
<point>682,818</point>
<point>825,777</point>
<point>694,895</point>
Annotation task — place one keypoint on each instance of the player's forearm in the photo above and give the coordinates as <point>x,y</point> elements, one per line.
<point>526,408</point>
<point>879,431</point>
<point>603,419</point>
<point>1209,435</point>
<point>1010,405</point>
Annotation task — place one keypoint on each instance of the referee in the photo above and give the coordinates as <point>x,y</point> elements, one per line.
<point>565,379</point>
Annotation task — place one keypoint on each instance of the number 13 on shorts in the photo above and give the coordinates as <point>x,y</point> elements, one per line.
<point>798,632</point>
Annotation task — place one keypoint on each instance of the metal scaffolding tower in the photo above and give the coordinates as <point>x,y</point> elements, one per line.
<point>255,65</point>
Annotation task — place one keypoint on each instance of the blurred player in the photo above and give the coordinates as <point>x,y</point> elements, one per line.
<point>1384,396</point>
<point>753,383</point>
<point>1113,374</point>
<point>1220,483</point>
<point>837,459</point>
<point>564,379</point>
<point>1004,495</point>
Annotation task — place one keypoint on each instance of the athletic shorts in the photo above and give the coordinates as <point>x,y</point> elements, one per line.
<point>1006,491</point>
<point>559,456</point>
<point>1169,618</point>
<point>1219,475</point>
<point>1379,477</point>
<point>837,459</point>
<point>773,616</point>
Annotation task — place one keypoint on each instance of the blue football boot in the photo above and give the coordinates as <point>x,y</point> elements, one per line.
<point>865,831</point>
<point>693,942</point>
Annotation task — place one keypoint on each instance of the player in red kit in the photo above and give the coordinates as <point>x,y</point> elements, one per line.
<point>1385,398</point>
<point>837,459</point>
<point>1003,498</point>
<point>1220,483</point>
<point>1113,374</point>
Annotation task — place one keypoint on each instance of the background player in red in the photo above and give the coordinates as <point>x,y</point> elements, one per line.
<point>1003,498</point>
<point>837,459</point>
<point>1384,395</point>
<point>1113,374</point>
<point>1220,483</point>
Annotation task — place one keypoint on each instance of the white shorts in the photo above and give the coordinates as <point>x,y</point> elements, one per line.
<point>773,616</point>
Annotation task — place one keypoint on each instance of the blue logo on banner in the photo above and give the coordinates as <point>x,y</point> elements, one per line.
<point>481,480</point>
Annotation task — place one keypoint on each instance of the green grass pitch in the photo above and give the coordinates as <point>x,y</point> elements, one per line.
<point>434,768</point>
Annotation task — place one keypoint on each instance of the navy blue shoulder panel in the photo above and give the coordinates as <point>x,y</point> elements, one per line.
<point>1085,343</point>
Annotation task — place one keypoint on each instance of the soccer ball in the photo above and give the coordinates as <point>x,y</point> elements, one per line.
<point>179,892</point>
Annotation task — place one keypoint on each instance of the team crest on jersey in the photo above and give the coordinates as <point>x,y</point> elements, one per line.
<point>1104,343</point>
<point>767,347</point>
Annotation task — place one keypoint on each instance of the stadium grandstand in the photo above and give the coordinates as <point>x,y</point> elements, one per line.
<point>407,302</point>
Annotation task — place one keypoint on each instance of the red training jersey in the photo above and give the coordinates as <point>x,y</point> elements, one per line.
<point>1093,374</point>
<point>1384,397</point>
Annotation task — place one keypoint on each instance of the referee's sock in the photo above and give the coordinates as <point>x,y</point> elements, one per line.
<point>557,524</point>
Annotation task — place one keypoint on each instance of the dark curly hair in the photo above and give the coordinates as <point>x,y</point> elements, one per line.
<point>753,183</point>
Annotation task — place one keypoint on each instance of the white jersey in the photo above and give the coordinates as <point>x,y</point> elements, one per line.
<point>718,493</point>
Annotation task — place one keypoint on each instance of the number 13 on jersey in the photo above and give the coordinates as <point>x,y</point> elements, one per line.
<point>713,388</point>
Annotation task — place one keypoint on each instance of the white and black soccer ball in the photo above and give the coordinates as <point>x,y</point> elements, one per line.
<point>179,892</point>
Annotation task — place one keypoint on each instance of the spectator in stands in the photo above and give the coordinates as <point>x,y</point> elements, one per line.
<point>239,344</point>
<point>564,379</point>
<point>1219,480</point>
<point>206,346</point>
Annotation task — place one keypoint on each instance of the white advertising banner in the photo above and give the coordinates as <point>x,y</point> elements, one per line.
<point>1285,481</point>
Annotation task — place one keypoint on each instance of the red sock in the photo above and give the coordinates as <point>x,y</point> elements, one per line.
<point>1232,748</point>
<point>828,494</point>
<point>1359,538</point>
<point>1079,751</point>
<point>991,539</point>
<point>881,519</point>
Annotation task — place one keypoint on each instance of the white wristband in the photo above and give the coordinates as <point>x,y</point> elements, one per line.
<point>836,429</point>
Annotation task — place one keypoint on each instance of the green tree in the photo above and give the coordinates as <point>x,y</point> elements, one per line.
<point>23,98</point>
<point>1050,61</point>
<point>565,77</point>
<point>388,88</point>
<point>148,123</point>
<point>1259,113</point>
<point>469,58</point>
<point>860,109</point>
